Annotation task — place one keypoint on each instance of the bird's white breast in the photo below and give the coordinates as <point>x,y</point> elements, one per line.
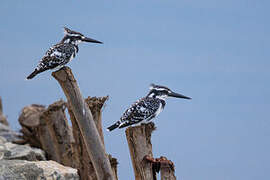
<point>160,109</point>
<point>72,56</point>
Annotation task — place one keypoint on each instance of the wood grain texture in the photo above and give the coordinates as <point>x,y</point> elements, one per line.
<point>48,129</point>
<point>96,104</point>
<point>60,132</point>
<point>139,143</point>
<point>167,172</point>
<point>86,124</point>
<point>84,164</point>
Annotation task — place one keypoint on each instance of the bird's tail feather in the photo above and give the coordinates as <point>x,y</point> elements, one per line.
<point>114,126</point>
<point>33,74</point>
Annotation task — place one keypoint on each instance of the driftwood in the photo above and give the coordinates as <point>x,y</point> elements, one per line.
<point>86,124</point>
<point>3,119</point>
<point>139,142</point>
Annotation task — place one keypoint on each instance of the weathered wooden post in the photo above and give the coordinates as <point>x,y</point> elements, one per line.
<point>139,143</point>
<point>48,129</point>
<point>84,164</point>
<point>162,165</point>
<point>95,105</point>
<point>86,124</point>
<point>60,132</point>
<point>167,172</point>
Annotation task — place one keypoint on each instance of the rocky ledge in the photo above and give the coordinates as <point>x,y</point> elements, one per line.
<point>22,162</point>
<point>33,170</point>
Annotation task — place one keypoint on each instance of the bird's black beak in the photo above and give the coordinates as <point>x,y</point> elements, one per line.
<point>86,39</point>
<point>173,94</point>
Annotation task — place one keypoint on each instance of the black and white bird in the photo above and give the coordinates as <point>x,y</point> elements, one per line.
<point>146,108</point>
<point>62,53</point>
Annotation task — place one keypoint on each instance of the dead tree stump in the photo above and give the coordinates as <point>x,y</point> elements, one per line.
<point>139,143</point>
<point>48,129</point>
<point>30,122</point>
<point>86,124</point>
<point>60,132</point>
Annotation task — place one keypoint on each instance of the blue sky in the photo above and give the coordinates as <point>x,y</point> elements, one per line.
<point>216,52</point>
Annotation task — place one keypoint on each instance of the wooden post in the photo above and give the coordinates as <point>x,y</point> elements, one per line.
<point>48,129</point>
<point>82,158</point>
<point>85,123</point>
<point>166,169</point>
<point>84,164</point>
<point>162,165</point>
<point>60,132</point>
<point>95,104</point>
<point>166,172</point>
<point>114,164</point>
<point>139,143</point>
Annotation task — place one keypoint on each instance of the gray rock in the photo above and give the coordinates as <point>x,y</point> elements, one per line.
<point>2,148</point>
<point>21,152</point>
<point>32,170</point>
<point>9,134</point>
<point>2,140</point>
<point>10,151</point>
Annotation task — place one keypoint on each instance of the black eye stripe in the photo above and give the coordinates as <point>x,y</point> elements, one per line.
<point>164,92</point>
<point>159,91</point>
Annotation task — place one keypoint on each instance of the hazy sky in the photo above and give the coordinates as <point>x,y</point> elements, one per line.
<point>216,52</point>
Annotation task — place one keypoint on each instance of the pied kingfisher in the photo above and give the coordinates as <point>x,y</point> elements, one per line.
<point>147,107</point>
<point>63,52</point>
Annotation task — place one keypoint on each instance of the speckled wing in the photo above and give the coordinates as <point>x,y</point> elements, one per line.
<point>58,55</point>
<point>142,110</point>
